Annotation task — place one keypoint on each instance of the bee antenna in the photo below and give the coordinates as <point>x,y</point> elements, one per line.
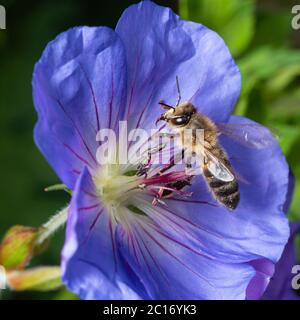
<point>178,90</point>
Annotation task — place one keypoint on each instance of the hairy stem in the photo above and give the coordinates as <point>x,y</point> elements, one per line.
<point>50,227</point>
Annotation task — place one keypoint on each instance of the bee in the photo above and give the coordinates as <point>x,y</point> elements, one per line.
<point>216,167</point>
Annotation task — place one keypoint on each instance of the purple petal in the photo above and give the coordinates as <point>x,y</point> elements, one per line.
<point>264,192</point>
<point>159,47</point>
<point>265,269</point>
<point>91,264</point>
<point>280,287</point>
<point>172,268</point>
<point>258,284</point>
<point>79,85</point>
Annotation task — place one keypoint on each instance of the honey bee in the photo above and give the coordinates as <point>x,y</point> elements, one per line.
<point>217,169</point>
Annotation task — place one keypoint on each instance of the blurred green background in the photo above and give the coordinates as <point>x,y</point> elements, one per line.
<point>259,34</point>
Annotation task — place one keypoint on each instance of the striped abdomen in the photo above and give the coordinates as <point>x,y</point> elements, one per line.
<point>226,192</point>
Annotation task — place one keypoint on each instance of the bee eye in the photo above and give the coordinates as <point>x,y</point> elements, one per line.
<point>179,121</point>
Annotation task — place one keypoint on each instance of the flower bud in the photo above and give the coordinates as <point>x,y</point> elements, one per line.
<point>16,248</point>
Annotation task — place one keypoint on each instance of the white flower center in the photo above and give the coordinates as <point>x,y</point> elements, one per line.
<point>116,189</point>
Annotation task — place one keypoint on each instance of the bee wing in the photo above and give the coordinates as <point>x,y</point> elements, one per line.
<point>217,168</point>
<point>249,135</point>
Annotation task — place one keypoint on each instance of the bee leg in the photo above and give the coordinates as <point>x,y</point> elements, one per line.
<point>164,169</point>
<point>187,159</point>
<point>142,169</point>
<point>167,167</point>
<point>165,105</point>
<point>171,164</point>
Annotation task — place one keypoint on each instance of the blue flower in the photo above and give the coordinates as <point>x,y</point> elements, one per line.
<point>118,244</point>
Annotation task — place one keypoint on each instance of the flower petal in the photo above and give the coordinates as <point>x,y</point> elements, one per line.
<point>265,268</point>
<point>280,287</point>
<point>258,284</point>
<point>159,47</point>
<point>91,265</point>
<point>264,192</point>
<point>79,85</point>
<point>171,269</point>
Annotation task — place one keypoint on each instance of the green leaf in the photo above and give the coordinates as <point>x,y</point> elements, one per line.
<point>265,62</point>
<point>294,212</point>
<point>269,71</point>
<point>241,106</point>
<point>286,107</point>
<point>233,19</point>
<point>269,20</point>
<point>294,161</point>
<point>17,247</point>
<point>35,279</point>
<point>283,78</point>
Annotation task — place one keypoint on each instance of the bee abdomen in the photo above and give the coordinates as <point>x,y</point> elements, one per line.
<point>226,189</point>
<point>226,192</point>
<point>231,200</point>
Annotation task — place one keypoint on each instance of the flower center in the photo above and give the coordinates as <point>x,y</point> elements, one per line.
<point>121,189</point>
<point>116,188</point>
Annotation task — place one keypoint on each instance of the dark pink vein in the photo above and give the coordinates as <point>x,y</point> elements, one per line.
<point>112,97</point>
<point>131,239</point>
<point>113,244</point>
<point>174,257</point>
<point>180,243</point>
<point>94,97</point>
<point>194,224</point>
<point>78,131</point>
<point>95,220</point>
<point>87,237</point>
<point>76,171</point>
<point>89,207</point>
<point>195,201</point>
<point>182,228</point>
<point>146,260</point>
<point>92,195</point>
<point>155,262</point>
<point>133,85</point>
<point>77,155</point>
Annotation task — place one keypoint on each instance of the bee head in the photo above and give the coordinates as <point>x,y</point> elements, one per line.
<point>178,116</point>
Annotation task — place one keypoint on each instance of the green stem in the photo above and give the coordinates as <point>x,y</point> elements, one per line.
<point>58,187</point>
<point>50,227</point>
